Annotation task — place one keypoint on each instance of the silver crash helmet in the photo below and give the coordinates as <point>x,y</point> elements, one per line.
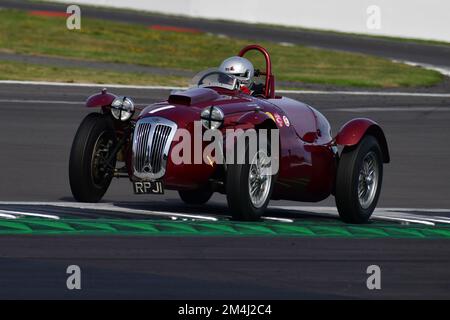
<point>240,68</point>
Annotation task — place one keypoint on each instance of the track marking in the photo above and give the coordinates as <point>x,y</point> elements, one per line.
<point>41,101</point>
<point>383,214</point>
<point>7,216</point>
<point>387,214</point>
<point>393,109</point>
<point>312,92</point>
<point>436,219</point>
<point>352,110</point>
<point>112,207</point>
<point>278,219</point>
<point>441,69</point>
<point>380,217</point>
<point>19,213</point>
<point>368,93</point>
<point>89,85</point>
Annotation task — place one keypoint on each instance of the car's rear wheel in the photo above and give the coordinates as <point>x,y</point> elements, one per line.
<point>199,196</point>
<point>358,180</point>
<point>89,173</point>
<point>249,185</point>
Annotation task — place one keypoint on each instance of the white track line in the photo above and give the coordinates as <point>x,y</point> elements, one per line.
<point>313,92</point>
<point>19,213</point>
<point>441,69</point>
<point>278,219</point>
<point>354,110</point>
<point>7,216</point>
<point>435,219</point>
<point>368,93</point>
<point>390,214</point>
<point>111,207</point>
<point>393,109</point>
<point>380,217</point>
<point>386,214</point>
<point>40,101</point>
<point>89,85</point>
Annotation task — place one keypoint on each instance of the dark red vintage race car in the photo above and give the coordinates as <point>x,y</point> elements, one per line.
<point>120,142</point>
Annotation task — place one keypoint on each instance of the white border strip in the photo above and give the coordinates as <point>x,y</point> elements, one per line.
<point>41,101</point>
<point>89,85</point>
<point>19,213</point>
<point>312,92</point>
<point>379,217</point>
<point>7,216</point>
<point>107,207</point>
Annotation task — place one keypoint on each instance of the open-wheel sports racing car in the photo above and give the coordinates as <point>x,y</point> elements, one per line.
<point>312,164</point>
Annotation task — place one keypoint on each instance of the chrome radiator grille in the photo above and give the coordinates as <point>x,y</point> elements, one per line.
<point>151,144</point>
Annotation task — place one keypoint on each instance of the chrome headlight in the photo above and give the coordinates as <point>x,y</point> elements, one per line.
<point>212,117</point>
<point>122,108</point>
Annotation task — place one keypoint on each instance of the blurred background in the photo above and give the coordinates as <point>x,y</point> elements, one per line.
<point>382,59</point>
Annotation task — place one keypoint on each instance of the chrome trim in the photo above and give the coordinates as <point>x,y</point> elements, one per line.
<point>151,144</point>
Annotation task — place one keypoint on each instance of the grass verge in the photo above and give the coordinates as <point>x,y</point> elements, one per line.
<point>107,41</point>
<point>25,71</point>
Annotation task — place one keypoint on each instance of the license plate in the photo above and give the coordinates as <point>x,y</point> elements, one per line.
<point>148,187</point>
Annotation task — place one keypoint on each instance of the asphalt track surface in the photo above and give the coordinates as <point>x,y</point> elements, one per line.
<point>37,127</point>
<point>436,55</point>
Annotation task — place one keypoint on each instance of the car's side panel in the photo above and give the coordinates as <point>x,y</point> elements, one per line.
<point>300,116</point>
<point>307,159</point>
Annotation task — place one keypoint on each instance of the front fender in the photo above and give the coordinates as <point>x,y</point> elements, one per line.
<point>249,120</point>
<point>353,131</point>
<point>100,100</point>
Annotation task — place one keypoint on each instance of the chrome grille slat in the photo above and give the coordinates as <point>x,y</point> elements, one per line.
<point>151,143</point>
<point>142,135</point>
<point>157,139</point>
<point>140,153</point>
<point>145,138</point>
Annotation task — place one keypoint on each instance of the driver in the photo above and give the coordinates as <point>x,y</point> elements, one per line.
<point>241,69</point>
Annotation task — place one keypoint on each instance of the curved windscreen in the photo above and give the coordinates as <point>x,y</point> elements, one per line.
<point>213,78</point>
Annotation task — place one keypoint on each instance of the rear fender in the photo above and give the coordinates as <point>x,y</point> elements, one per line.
<point>354,131</point>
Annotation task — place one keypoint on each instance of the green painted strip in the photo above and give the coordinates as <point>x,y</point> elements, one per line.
<point>327,229</point>
<point>6,226</point>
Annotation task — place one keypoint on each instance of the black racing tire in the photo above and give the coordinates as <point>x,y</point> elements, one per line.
<point>238,191</point>
<point>195,197</point>
<point>87,182</point>
<point>348,182</point>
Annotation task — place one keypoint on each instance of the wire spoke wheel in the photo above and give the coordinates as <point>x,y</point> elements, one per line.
<point>89,173</point>
<point>368,180</point>
<point>259,179</point>
<point>249,185</point>
<point>100,170</point>
<point>358,180</point>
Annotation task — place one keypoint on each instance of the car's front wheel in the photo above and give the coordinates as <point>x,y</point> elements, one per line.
<point>358,180</point>
<point>249,185</point>
<point>89,173</point>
